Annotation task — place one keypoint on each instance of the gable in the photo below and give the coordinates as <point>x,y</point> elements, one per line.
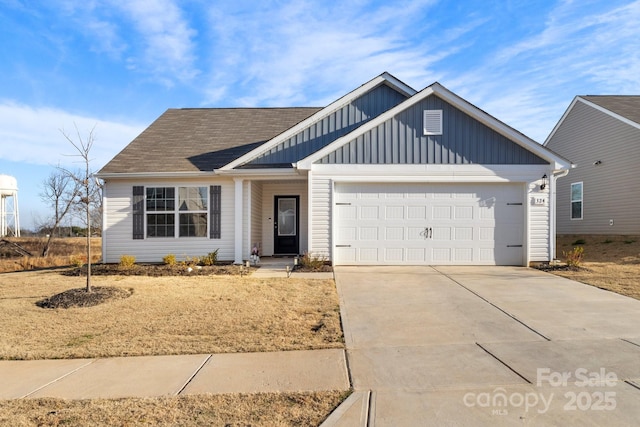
<point>401,139</point>
<point>586,134</point>
<point>626,106</point>
<point>331,127</point>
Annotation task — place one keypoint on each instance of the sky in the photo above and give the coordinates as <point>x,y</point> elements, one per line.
<point>114,66</point>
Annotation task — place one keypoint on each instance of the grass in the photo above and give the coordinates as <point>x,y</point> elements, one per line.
<point>610,262</point>
<point>62,252</point>
<point>167,315</point>
<point>272,409</point>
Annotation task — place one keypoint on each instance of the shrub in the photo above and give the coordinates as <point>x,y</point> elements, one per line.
<point>608,241</point>
<point>78,260</point>
<point>209,259</point>
<point>127,261</point>
<point>169,259</point>
<point>573,258</point>
<point>630,241</point>
<point>579,242</point>
<point>313,262</point>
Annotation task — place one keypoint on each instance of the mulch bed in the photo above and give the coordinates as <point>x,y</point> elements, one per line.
<point>558,267</point>
<point>158,270</point>
<point>326,268</point>
<point>81,298</point>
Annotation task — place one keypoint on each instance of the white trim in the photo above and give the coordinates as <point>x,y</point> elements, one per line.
<point>238,221</point>
<point>434,173</point>
<point>249,207</point>
<point>346,99</point>
<point>310,212</point>
<point>267,173</point>
<point>143,175</point>
<point>557,162</point>
<point>581,201</point>
<point>104,221</point>
<point>610,113</point>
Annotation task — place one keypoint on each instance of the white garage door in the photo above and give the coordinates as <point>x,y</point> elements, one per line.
<point>429,224</point>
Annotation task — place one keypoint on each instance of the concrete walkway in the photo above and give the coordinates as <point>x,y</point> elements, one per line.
<point>486,346</point>
<point>152,376</point>
<point>283,267</point>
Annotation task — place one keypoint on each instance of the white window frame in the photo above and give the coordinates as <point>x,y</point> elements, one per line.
<point>176,212</point>
<point>581,200</point>
<point>430,117</point>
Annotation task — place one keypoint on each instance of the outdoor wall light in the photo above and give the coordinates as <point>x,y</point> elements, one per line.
<point>545,182</point>
<point>597,162</point>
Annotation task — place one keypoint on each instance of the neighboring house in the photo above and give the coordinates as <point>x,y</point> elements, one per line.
<point>601,135</point>
<point>383,175</point>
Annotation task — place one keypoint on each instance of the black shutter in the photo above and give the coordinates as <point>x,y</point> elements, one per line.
<point>138,212</point>
<point>215,194</point>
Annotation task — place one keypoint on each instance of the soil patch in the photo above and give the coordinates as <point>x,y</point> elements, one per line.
<point>79,297</point>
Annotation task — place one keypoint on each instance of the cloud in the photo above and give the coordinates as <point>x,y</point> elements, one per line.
<point>303,52</point>
<point>33,135</point>
<point>582,48</point>
<point>169,50</point>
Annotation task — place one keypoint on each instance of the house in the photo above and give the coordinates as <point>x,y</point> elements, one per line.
<point>383,175</point>
<point>601,135</point>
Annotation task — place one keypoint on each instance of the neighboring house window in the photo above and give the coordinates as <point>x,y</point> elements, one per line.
<point>190,209</point>
<point>576,200</point>
<point>433,122</point>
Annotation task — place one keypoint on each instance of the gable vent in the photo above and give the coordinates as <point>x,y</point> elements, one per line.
<point>433,122</point>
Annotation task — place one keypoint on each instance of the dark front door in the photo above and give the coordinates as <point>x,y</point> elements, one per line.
<point>286,225</point>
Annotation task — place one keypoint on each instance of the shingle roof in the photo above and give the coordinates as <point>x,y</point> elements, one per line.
<point>627,106</point>
<point>203,139</point>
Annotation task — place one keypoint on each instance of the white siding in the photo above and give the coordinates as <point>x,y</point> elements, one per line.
<point>539,230</point>
<point>321,208</point>
<point>283,188</point>
<point>118,232</point>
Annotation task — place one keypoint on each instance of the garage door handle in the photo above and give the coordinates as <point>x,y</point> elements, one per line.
<point>427,233</point>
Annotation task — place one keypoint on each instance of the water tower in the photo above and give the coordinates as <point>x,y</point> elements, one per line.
<point>9,218</point>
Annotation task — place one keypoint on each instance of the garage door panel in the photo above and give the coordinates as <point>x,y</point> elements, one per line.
<point>430,224</point>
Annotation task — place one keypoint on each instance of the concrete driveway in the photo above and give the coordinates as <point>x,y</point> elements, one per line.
<point>486,346</point>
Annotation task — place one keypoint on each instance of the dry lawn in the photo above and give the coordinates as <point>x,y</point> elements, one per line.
<point>167,315</point>
<point>610,262</point>
<point>267,409</point>
<point>61,253</point>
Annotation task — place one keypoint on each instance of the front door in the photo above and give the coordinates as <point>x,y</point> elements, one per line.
<point>286,225</point>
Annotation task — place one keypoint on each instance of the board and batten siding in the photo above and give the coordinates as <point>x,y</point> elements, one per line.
<point>612,188</point>
<point>332,126</point>
<point>118,228</point>
<point>283,188</point>
<point>401,140</point>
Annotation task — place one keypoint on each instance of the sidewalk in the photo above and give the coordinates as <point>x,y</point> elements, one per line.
<point>153,376</point>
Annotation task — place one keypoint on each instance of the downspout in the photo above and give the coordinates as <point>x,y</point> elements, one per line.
<point>552,213</point>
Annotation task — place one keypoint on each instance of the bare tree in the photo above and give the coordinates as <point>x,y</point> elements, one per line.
<point>83,179</point>
<point>59,191</point>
